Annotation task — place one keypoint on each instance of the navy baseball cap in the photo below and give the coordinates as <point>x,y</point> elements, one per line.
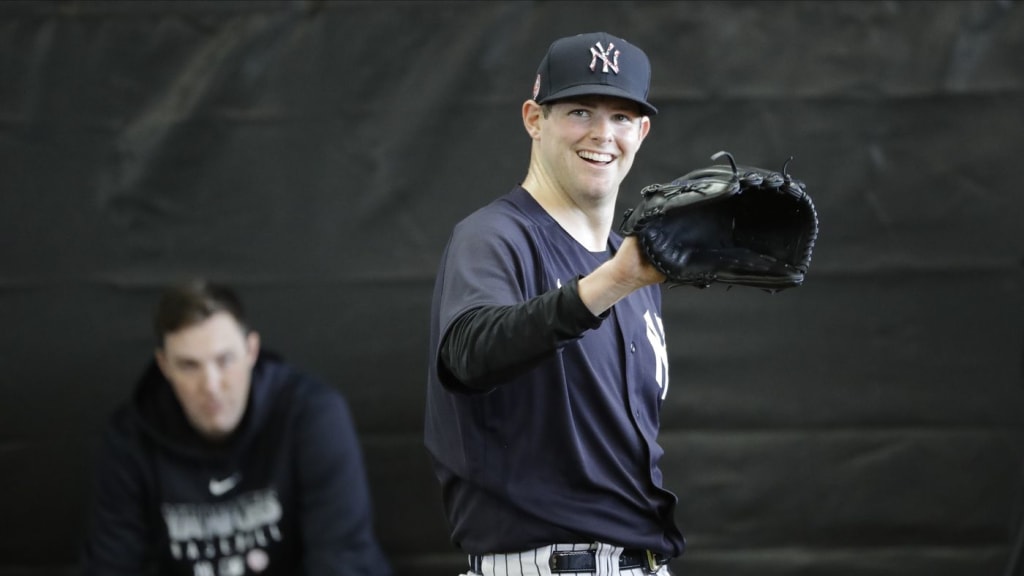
<point>594,63</point>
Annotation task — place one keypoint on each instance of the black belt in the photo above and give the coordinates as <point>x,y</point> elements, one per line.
<point>586,561</point>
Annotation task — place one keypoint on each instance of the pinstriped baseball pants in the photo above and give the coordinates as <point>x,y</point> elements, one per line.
<point>535,562</point>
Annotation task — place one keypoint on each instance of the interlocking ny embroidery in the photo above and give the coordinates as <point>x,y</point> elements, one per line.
<point>597,51</point>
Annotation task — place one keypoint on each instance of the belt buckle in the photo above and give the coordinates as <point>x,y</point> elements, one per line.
<point>652,563</point>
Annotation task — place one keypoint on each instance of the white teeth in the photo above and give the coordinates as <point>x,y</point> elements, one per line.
<point>594,156</point>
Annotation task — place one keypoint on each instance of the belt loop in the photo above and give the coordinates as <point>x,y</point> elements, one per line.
<point>652,562</point>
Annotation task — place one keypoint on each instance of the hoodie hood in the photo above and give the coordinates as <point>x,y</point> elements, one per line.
<point>161,418</point>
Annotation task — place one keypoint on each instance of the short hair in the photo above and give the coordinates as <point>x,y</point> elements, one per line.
<point>193,301</point>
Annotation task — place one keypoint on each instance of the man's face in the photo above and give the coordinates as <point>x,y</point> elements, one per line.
<point>209,366</point>
<point>588,144</point>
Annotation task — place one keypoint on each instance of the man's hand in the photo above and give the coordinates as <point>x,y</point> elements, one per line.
<point>617,278</point>
<point>634,267</point>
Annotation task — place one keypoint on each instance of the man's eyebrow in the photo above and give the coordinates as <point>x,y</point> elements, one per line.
<point>613,102</point>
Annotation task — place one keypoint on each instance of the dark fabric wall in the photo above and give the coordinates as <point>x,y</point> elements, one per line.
<point>317,154</point>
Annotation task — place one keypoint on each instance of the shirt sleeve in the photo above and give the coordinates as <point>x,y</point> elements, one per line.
<point>117,541</point>
<point>336,509</point>
<point>497,312</point>
<point>486,344</point>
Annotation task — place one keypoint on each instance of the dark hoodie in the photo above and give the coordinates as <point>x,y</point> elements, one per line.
<point>285,494</point>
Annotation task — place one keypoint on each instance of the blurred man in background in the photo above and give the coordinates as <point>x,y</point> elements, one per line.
<point>226,461</point>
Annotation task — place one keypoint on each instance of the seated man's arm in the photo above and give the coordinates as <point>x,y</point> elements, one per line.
<point>337,512</point>
<point>117,542</point>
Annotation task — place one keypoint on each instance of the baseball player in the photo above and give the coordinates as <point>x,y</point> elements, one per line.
<point>548,359</point>
<point>226,461</point>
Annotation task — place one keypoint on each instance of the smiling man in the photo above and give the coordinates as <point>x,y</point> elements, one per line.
<point>228,461</point>
<point>548,363</point>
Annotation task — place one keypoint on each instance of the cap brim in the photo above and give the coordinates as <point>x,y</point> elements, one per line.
<point>598,90</point>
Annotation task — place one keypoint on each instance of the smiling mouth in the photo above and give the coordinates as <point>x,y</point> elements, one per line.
<point>595,156</point>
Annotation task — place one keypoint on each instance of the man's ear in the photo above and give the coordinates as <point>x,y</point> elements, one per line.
<point>645,128</point>
<point>252,346</point>
<point>161,359</point>
<point>532,114</point>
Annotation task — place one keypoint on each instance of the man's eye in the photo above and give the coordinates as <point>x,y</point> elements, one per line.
<point>225,360</point>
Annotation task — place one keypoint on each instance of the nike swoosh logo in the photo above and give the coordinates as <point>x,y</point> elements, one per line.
<point>221,487</point>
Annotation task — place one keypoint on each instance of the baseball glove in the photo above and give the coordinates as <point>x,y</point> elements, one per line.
<point>726,224</point>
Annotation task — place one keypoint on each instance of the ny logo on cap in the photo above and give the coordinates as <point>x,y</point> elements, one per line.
<point>597,51</point>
